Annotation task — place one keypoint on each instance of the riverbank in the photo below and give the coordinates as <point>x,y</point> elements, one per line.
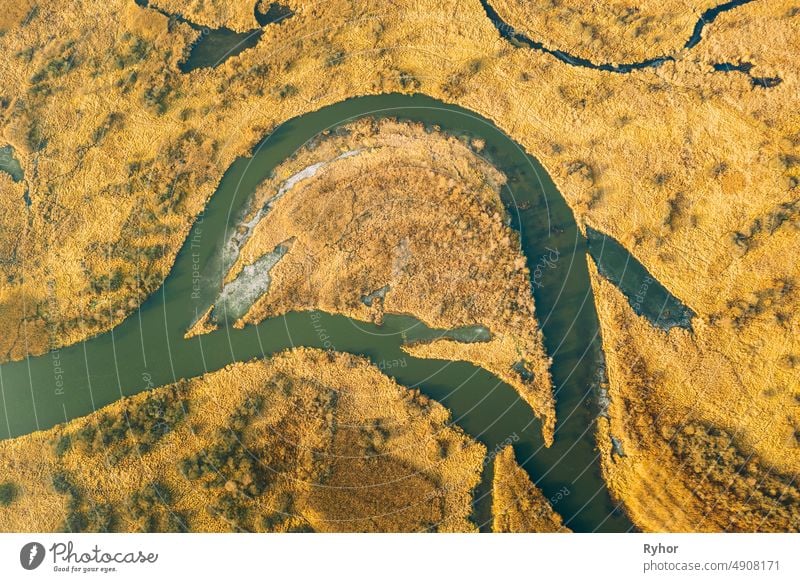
<point>307,441</point>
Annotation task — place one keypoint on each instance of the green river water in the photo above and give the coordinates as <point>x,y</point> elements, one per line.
<point>148,348</point>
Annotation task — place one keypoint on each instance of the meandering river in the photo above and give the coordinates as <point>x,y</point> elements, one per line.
<point>148,349</point>
<point>510,33</point>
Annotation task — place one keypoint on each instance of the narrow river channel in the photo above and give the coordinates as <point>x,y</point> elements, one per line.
<point>148,348</point>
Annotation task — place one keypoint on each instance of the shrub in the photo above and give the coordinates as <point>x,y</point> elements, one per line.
<point>156,97</point>
<point>8,493</point>
<point>62,483</point>
<point>100,518</point>
<point>146,421</point>
<point>37,140</point>
<point>75,522</point>
<point>54,68</point>
<point>150,509</point>
<point>409,81</point>
<point>270,13</point>
<point>229,465</point>
<point>335,58</point>
<point>137,52</point>
<point>112,121</point>
<point>287,91</point>
<point>63,444</point>
<point>737,483</point>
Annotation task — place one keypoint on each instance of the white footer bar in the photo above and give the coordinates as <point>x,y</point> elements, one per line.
<point>422,557</point>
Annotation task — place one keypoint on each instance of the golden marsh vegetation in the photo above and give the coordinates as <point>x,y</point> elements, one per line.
<point>519,506</point>
<point>695,171</point>
<point>307,441</point>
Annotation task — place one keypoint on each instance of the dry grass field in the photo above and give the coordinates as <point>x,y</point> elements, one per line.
<point>685,423</point>
<point>305,441</point>
<point>519,506</point>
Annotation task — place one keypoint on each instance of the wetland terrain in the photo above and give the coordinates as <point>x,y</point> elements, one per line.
<point>475,266</point>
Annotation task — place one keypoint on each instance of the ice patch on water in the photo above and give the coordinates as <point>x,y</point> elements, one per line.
<point>523,370</point>
<point>616,445</point>
<point>239,295</point>
<point>245,229</point>
<point>370,298</point>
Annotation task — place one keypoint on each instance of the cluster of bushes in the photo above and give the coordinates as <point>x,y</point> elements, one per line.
<point>408,81</point>
<point>57,66</point>
<point>174,193</point>
<point>741,311</point>
<point>184,157</point>
<point>187,142</point>
<point>576,99</point>
<point>136,51</point>
<point>729,481</point>
<point>8,493</point>
<point>112,121</point>
<point>283,509</point>
<point>791,163</point>
<point>228,464</point>
<point>582,169</point>
<point>230,508</point>
<point>127,82</point>
<point>53,69</point>
<point>373,437</point>
<point>287,91</point>
<point>145,421</point>
<point>26,54</point>
<point>82,514</point>
<point>141,223</point>
<point>249,81</point>
<point>37,139</point>
<point>147,510</point>
<point>675,207</point>
<point>156,96</point>
<point>62,444</point>
<point>335,58</point>
<point>457,84</point>
<point>153,252</point>
<point>150,509</point>
<point>781,214</point>
<point>112,282</point>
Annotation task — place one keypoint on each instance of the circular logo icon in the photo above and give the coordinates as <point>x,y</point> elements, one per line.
<point>31,555</point>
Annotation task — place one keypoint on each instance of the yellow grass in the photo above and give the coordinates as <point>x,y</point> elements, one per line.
<point>694,171</point>
<point>519,506</point>
<point>334,446</point>
<point>700,451</point>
